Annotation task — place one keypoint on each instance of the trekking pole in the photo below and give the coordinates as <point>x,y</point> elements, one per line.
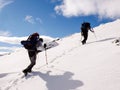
<point>46,56</point>
<point>94,34</point>
<point>81,37</point>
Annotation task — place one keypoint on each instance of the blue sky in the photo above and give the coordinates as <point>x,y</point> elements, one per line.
<point>54,18</point>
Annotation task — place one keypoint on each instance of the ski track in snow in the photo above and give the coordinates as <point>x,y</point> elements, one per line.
<point>20,78</point>
<point>15,81</point>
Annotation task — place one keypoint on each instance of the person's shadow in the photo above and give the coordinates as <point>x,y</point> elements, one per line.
<point>59,82</point>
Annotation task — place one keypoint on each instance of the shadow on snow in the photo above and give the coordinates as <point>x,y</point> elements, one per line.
<point>59,82</point>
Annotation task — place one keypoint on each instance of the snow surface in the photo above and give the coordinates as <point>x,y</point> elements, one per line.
<point>71,66</point>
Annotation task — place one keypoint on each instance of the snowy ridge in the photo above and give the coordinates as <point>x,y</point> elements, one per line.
<point>71,66</point>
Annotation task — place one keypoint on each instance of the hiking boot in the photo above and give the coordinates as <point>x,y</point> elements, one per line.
<point>25,72</point>
<point>83,42</point>
<point>29,71</point>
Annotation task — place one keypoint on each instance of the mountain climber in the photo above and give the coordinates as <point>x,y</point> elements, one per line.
<point>31,45</point>
<point>84,31</point>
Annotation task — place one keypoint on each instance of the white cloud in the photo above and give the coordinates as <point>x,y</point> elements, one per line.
<point>12,40</point>
<point>39,20</point>
<point>53,1</point>
<point>12,48</point>
<point>4,33</point>
<point>32,20</point>
<point>5,37</point>
<point>102,8</point>
<point>17,40</point>
<point>4,3</point>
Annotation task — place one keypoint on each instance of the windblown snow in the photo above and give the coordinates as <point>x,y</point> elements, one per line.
<point>71,66</point>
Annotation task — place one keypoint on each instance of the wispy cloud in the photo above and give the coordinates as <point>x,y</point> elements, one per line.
<point>17,40</point>
<point>8,49</point>
<point>53,1</point>
<point>102,8</point>
<point>5,37</point>
<point>29,19</point>
<point>4,3</point>
<point>12,40</point>
<point>32,20</point>
<point>39,20</point>
<point>4,33</point>
<point>53,15</point>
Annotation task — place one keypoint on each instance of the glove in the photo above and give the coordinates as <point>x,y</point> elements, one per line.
<point>92,30</point>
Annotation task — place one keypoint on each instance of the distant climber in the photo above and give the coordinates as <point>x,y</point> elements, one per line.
<point>84,31</point>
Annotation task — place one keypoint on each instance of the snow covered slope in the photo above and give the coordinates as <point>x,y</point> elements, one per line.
<point>72,66</point>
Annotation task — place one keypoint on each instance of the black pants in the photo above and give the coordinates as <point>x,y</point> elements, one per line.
<point>85,35</point>
<point>32,56</point>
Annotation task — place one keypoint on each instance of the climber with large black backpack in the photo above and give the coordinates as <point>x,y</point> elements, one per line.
<point>31,45</point>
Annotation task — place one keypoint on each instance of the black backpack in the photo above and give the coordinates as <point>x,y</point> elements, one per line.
<point>27,44</point>
<point>31,42</point>
<point>86,25</point>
